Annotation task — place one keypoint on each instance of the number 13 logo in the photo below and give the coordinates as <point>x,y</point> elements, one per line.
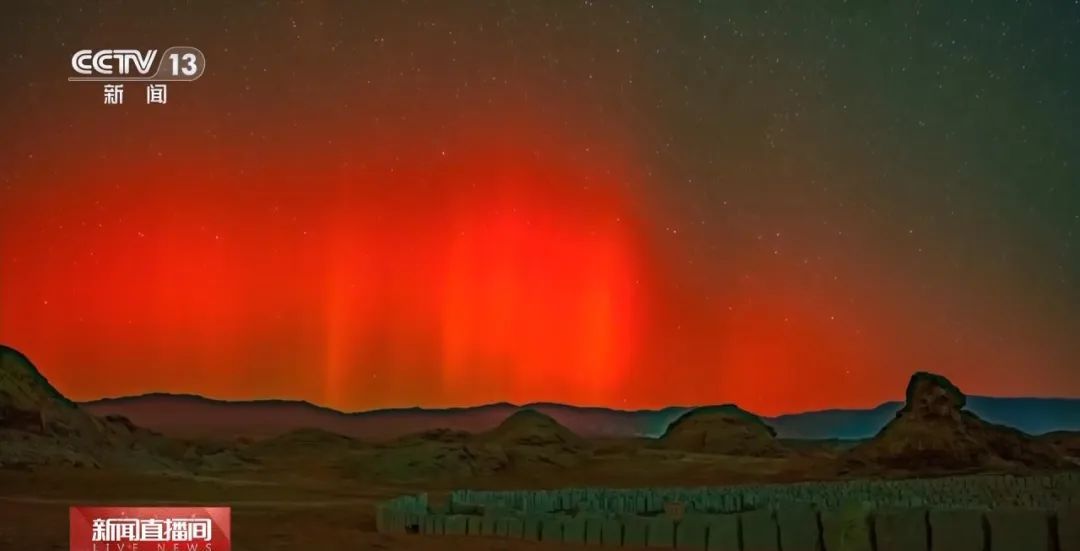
<point>185,64</point>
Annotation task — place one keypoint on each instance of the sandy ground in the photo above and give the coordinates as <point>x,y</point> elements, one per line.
<point>258,526</point>
<point>298,500</point>
<point>265,515</point>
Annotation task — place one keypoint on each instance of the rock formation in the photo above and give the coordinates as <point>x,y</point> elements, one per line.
<point>933,432</point>
<point>39,426</point>
<point>1068,442</point>
<point>525,443</point>
<point>428,456</point>
<point>528,427</point>
<point>533,440</point>
<point>723,429</point>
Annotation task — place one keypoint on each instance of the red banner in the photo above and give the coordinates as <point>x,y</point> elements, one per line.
<point>150,528</point>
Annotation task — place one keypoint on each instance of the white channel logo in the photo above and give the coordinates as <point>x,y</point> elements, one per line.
<point>178,63</point>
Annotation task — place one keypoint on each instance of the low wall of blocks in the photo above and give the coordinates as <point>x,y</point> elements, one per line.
<point>974,513</point>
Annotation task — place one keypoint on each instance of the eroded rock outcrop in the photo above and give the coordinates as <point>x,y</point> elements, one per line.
<point>531,439</point>
<point>723,429</point>
<point>39,426</point>
<point>933,431</point>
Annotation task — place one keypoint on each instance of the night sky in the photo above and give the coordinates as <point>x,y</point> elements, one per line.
<point>788,205</point>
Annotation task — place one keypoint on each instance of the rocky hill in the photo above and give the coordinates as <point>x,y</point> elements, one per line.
<point>189,416</point>
<point>39,426</point>
<point>1068,442</point>
<point>933,432</point>
<point>524,444</point>
<point>723,429</point>
<point>532,439</point>
<point>528,427</point>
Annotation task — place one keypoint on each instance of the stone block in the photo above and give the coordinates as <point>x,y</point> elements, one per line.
<point>489,526</point>
<point>498,511</point>
<point>402,521</point>
<point>509,527</point>
<point>957,530</point>
<point>1068,529</point>
<point>848,529</point>
<point>531,527</point>
<point>473,527</point>
<point>714,501</point>
<point>1019,530</point>
<point>515,528</point>
<point>723,533</point>
<point>393,521</point>
<point>661,532</point>
<point>434,524</point>
<point>414,523</point>
<point>456,525</point>
<point>799,529</point>
<point>551,529</point>
<point>901,530</point>
<point>611,532</point>
<point>635,531</point>
<point>759,531</point>
<point>462,508</point>
<point>692,532</point>
<point>574,530</point>
<point>381,525</point>
<point>654,502</point>
<point>594,527</point>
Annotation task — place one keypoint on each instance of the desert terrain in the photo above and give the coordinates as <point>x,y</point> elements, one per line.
<point>314,488</point>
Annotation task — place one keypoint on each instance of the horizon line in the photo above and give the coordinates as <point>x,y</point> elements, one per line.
<point>522,405</point>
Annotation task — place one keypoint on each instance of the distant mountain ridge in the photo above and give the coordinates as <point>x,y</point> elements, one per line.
<point>193,415</point>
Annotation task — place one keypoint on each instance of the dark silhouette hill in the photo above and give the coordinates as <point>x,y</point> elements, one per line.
<point>532,439</point>
<point>529,427</point>
<point>527,443</point>
<point>195,416</point>
<point>933,431</point>
<point>1031,415</point>
<point>189,416</point>
<point>39,426</point>
<point>723,429</point>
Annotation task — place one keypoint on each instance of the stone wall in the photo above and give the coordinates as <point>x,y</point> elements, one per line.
<point>999,513</point>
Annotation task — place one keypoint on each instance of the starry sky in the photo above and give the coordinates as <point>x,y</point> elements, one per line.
<point>788,205</point>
